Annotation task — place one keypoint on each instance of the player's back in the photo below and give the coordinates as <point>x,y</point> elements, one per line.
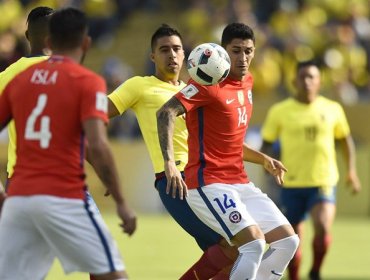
<point>5,77</point>
<point>49,101</point>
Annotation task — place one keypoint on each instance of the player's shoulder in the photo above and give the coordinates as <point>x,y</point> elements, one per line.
<point>193,88</point>
<point>324,101</point>
<point>80,72</point>
<point>283,105</point>
<point>21,65</point>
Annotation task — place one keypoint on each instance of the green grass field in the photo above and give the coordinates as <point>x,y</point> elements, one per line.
<point>161,250</point>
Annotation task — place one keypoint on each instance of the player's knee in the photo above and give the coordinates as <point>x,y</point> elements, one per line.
<point>249,259</point>
<point>231,252</point>
<point>289,244</point>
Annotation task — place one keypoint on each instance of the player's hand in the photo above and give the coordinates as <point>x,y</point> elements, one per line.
<point>128,218</point>
<point>353,181</point>
<point>175,181</point>
<point>275,168</point>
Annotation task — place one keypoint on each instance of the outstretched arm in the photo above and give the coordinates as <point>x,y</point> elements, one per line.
<point>349,153</point>
<point>273,166</point>
<point>166,116</point>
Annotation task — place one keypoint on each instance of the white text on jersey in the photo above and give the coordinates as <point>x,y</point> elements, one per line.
<point>43,77</point>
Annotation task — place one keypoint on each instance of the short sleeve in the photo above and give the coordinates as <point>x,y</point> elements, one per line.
<point>5,108</point>
<point>94,101</point>
<point>193,95</point>
<point>270,127</point>
<point>341,128</point>
<point>126,95</point>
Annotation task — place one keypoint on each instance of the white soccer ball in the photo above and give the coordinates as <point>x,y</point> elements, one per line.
<point>208,64</point>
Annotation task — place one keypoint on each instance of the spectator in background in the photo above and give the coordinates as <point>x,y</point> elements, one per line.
<point>307,126</point>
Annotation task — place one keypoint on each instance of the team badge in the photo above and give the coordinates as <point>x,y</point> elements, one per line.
<point>235,217</point>
<point>241,97</point>
<point>250,97</point>
<point>189,91</point>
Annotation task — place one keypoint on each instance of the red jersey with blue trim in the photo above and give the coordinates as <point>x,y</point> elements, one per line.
<point>49,103</point>
<point>217,119</point>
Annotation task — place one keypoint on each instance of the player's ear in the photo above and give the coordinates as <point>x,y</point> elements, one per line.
<point>26,34</point>
<point>152,57</point>
<point>86,43</point>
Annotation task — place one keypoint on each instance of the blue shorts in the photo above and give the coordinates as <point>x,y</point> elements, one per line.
<point>296,203</point>
<point>185,217</point>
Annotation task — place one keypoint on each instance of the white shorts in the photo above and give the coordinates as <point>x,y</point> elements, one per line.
<point>36,229</point>
<point>228,209</point>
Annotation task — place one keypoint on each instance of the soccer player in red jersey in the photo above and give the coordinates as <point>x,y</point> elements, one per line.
<point>57,105</point>
<point>216,185</point>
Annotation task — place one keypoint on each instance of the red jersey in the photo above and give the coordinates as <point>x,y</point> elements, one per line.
<point>49,103</point>
<point>217,119</point>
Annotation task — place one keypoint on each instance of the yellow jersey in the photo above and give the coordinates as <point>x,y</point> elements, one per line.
<point>307,134</point>
<point>5,77</point>
<point>145,95</point>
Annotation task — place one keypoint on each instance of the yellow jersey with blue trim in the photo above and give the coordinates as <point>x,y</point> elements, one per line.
<point>307,134</point>
<point>145,95</point>
<point>5,77</point>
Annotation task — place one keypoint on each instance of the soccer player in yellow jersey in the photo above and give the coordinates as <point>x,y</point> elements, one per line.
<point>36,33</point>
<point>145,95</point>
<point>307,126</point>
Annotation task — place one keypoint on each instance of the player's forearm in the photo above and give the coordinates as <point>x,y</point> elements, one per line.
<point>349,152</point>
<point>102,161</point>
<point>165,126</point>
<point>253,156</point>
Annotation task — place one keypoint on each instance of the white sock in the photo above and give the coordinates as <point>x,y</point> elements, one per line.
<point>276,259</point>
<point>250,255</point>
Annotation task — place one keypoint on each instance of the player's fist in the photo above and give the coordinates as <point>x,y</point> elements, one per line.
<point>128,218</point>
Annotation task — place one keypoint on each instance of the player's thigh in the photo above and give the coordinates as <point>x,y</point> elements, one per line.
<point>294,204</point>
<point>24,253</point>
<point>186,218</point>
<point>220,207</point>
<point>263,210</point>
<point>323,214</point>
<point>78,235</point>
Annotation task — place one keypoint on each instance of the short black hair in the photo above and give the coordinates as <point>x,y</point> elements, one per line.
<point>237,30</point>
<point>38,24</point>
<point>163,31</point>
<point>307,63</point>
<point>67,28</point>
<point>39,14</point>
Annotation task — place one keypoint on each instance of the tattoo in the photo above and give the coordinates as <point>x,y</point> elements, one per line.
<point>165,123</point>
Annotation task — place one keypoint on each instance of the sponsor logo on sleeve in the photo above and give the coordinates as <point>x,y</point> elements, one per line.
<point>189,91</point>
<point>101,102</point>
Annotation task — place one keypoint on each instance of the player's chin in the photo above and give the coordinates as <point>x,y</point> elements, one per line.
<point>173,67</point>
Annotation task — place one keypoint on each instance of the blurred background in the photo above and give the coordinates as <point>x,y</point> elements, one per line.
<point>334,32</point>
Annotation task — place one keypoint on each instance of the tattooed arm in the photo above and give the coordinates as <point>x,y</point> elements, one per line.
<point>165,123</point>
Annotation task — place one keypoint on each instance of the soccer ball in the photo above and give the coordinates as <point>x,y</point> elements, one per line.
<point>208,64</point>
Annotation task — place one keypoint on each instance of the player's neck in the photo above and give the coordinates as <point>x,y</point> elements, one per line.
<point>74,55</point>
<point>306,99</point>
<point>171,80</point>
